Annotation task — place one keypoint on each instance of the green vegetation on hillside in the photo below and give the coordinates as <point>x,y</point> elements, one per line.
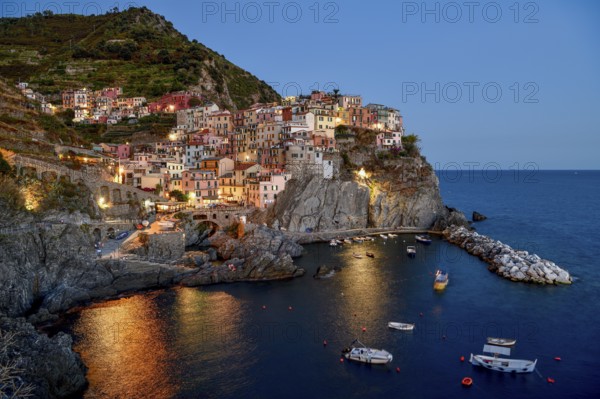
<point>135,49</point>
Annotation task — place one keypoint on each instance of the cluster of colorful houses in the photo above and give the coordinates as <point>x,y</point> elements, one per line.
<point>245,156</point>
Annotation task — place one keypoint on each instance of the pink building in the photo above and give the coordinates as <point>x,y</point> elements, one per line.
<point>201,186</point>
<point>388,140</point>
<point>124,151</point>
<point>263,191</point>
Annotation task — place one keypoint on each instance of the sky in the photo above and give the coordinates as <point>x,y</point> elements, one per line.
<point>485,84</point>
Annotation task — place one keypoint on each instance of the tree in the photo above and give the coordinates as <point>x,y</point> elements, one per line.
<point>5,168</point>
<point>194,102</point>
<point>178,195</point>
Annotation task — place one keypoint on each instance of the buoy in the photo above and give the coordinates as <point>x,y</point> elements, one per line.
<point>341,360</point>
<point>467,381</point>
<point>421,314</point>
<point>324,342</point>
<point>397,369</point>
<point>443,337</point>
<point>558,359</point>
<point>550,380</point>
<point>364,329</point>
<point>462,358</point>
<point>264,307</point>
<point>290,308</point>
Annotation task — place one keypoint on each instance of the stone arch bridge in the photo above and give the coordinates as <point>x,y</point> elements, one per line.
<point>94,179</point>
<point>219,217</point>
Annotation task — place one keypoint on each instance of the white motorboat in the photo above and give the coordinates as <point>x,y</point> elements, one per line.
<point>347,241</point>
<point>505,365</point>
<point>423,239</point>
<point>383,236</point>
<point>360,353</point>
<point>401,326</point>
<point>357,256</point>
<point>501,341</point>
<point>358,239</point>
<point>411,251</point>
<point>391,235</point>
<point>333,243</point>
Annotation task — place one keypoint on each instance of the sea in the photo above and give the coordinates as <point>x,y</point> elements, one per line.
<point>283,339</point>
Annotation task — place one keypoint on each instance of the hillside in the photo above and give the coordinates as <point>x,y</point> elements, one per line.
<point>135,49</point>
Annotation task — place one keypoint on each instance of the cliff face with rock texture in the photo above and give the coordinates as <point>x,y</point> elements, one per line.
<point>397,193</point>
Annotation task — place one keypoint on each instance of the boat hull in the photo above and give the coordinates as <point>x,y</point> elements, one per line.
<point>373,359</point>
<point>503,365</point>
<point>501,341</point>
<point>440,285</point>
<point>401,326</point>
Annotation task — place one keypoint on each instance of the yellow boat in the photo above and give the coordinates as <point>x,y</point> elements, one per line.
<point>441,280</point>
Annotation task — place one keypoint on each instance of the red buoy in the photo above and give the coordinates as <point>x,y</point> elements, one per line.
<point>290,308</point>
<point>364,329</point>
<point>462,358</point>
<point>263,307</point>
<point>467,382</point>
<point>341,360</point>
<point>558,359</point>
<point>550,380</point>
<point>397,369</point>
<point>324,342</point>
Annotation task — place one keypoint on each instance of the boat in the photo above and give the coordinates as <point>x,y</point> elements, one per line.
<point>411,251</point>
<point>383,236</point>
<point>423,239</point>
<point>392,235</point>
<point>505,365</point>
<point>370,254</point>
<point>401,326</point>
<point>367,238</point>
<point>122,235</point>
<point>441,280</point>
<point>358,239</point>
<point>501,341</point>
<point>333,243</point>
<point>360,353</point>
<point>357,256</point>
<point>347,241</point>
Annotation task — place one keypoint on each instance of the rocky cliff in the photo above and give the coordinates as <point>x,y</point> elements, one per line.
<point>394,193</point>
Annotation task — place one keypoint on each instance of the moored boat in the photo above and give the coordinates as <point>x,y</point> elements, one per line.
<point>370,254</point>
<point>347,241</point>
<point>391,235</point>
<point>357,256</point>
<point>505,365</point>
<point>401,326</point>
<point>358,239</point>
<point>423,239</point>
<point>361,353</point>
<point>501,341</point>
<point>333,243</point>
<point>383,236</point>
<point>441,280</point>
<point>411,251</point>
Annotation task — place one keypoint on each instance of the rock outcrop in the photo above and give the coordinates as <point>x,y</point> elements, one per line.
<point>395,193</point>
<point>261,254</point>
<point>505,261</point>
<point>47,366</point>
<point>478,217</point>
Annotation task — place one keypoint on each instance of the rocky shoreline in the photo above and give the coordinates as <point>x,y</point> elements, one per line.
<point>50,271</point>
<point>505,261</point>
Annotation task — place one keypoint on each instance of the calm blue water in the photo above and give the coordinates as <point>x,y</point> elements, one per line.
<point>218,341</point>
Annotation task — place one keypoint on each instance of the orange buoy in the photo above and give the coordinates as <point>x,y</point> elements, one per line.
<point>467,381</point>
<point>397,369</point>
<point>558,359</point>
<point>462,358</point>
<point>550,380</point>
